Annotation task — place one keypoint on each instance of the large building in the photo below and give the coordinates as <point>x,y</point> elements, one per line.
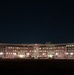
<point>37,51</point>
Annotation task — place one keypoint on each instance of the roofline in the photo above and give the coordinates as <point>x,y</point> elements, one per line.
<point>37,44</point>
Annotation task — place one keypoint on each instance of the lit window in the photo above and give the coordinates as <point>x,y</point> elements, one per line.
<point>30,51</point>
<point>14,53</point>
<point>47,48</point>
<point>9,47</point>
<point>39,48</point>
<point>44,53</point>
<point>34,50</point>
<point>67,53</point>
<point>27,53</point>
<point>51,48</point>
<point>11,53</point>
<point>17,48</point>
<point>6,53</point>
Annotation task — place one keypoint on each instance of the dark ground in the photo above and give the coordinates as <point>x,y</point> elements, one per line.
<point>36,67</point>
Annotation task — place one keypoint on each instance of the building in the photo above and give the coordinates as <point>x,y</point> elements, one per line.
<point>37,51</point>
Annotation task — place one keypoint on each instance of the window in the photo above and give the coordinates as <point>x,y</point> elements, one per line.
<point>47,48</point>
<point>45,51</point>
<point>17,48</point>
<point>27,53</point>
<point>70,45</point>
<point>67,53</point>
<point>43,48</point>
<point>14,53</point>
<point>35,51</point>
<point>30,51</point>
<point>58,47</point>
<point>54,48</point>
<point>9,47</point>
<point>12,47</point>
<point>6,53</point>
<point>44,54</point>
<point>11,53</point>
<point>39,48</point>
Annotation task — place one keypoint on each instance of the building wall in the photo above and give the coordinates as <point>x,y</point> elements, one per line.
<point>37,51</point>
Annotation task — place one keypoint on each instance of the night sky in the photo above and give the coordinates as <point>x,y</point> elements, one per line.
<point>36,21</point>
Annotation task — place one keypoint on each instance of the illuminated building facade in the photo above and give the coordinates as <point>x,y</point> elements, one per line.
<point>37,51</point>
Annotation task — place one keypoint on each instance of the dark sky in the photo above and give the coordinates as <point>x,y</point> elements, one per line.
<point>36,21</point>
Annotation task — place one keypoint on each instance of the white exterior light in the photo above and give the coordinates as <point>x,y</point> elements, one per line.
<point>1,53</point>
<point>71,53</point>
<point>56,53</point>
<point>21,56</point>
<point>50,56</point>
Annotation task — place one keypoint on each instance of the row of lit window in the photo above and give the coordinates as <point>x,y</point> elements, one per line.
<point>52,48</point>
<point>70,48</point>
<point>20,50</point>
<point>17,48</point>
<point>39,48</point>
<point>69,45</point>
<point>43,51</point>
<point>11,53</point>
<point>71,53</point>
<point>36,51</point>
<point>58,50</point>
